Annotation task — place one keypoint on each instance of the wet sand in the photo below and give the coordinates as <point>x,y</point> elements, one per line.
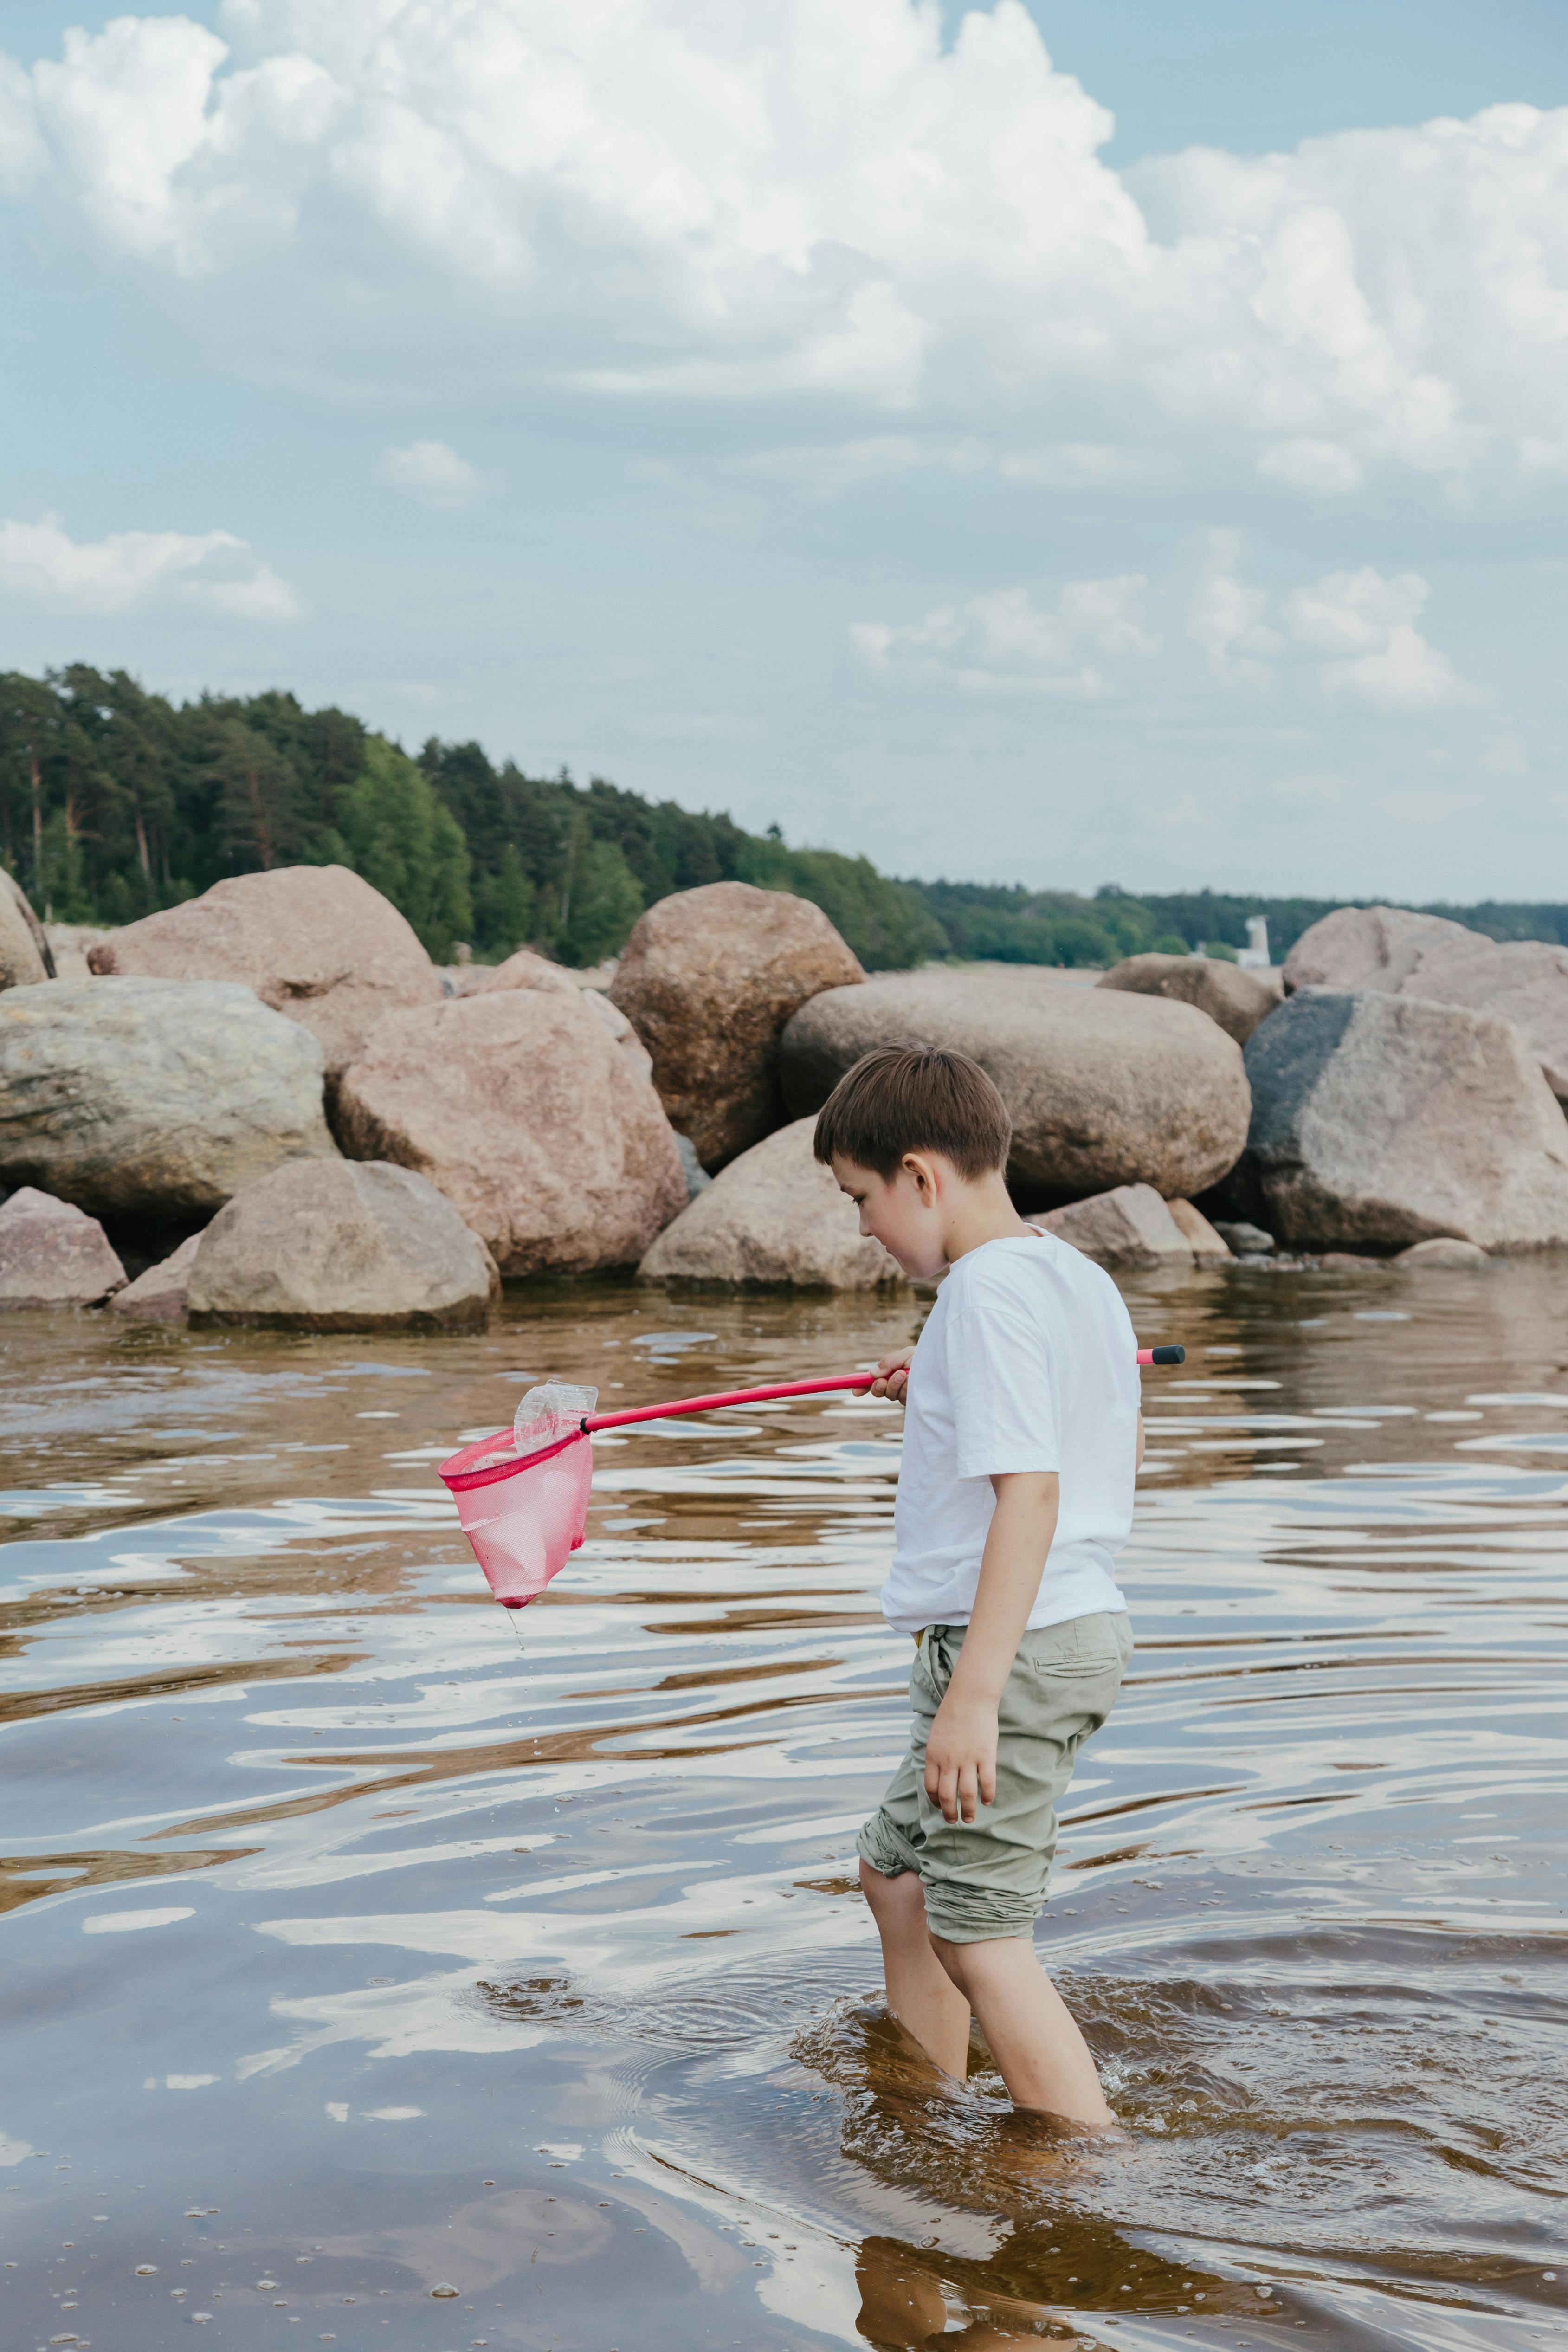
<point>363,1940</point>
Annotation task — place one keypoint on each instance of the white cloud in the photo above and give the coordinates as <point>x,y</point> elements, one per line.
<point>1004,642</point>
<point>1407,673</point>
<point>663,199</point>
<point>1368,622</point>
<point>1351,635</point>
<point>41,562</point>
<point>262,596</point>
<point>1322,467</point>
<point>1226,616</point>
<point>433,473</point>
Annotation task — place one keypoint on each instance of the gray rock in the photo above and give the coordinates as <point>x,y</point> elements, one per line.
<point>1105,1088</point>
<point>51,1255</point>
<point>1444,1251</point>
<point>1130,1225</point>
<point>697,1175</point>
<point>773,1218</point>
<point>159,1294</point>
<point>1236,999</point>
<point>708,978</point>
<point>153,1099</point>
<point>351,1246</point>
<point>25,957</point>
<point>1384,948</point>
<point>1379,1120</point>
<point>1246,1240</point>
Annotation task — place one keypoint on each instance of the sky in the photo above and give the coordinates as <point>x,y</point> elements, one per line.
<point>1090,442</point>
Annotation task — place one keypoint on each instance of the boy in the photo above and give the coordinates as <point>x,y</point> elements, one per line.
<point>1022,1438</point>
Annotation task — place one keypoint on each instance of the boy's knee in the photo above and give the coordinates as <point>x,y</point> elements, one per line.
<point>890,1898</point>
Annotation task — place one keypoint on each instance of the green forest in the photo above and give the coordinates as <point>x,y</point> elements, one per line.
<point>115,801</point>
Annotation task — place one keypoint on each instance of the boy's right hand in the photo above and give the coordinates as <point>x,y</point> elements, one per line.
<point>893,1376</point>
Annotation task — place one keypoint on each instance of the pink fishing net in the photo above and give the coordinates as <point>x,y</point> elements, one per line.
<point>522,1495</point>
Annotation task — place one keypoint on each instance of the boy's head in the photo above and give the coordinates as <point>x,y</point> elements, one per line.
<point>909,1132</point>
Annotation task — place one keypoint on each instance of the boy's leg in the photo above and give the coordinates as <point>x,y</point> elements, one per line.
<point>984,1883</point>
<point>1042,2057</point>
<point>921,1992</point>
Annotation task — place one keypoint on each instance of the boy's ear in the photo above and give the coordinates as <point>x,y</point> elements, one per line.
<point>918,1167</point>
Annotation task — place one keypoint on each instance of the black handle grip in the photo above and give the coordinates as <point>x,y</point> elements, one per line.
<point>1168,1356</point>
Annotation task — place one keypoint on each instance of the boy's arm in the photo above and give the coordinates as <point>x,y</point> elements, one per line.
<point>961,1746</point>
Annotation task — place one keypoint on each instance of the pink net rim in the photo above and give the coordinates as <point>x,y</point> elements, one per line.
<point>460,1479</point>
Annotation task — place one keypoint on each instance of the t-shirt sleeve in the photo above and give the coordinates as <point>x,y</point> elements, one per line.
<point>1004,1388</point>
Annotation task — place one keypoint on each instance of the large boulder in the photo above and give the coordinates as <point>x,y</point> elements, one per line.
<point>1366,947</point>
<point>25,957</point>
<point>772,1219</point>
<point>1103,1087</point>
<point>1237,999</point>
<point>1384,948</point>
<point>1379,1120</point>
<point>521,1108</point>
<point>158,1296</point>
<point>708,979</point>
<point>315,942</point>
<point>51,1255</point>
<point>153,1100</point>
<point>351,1247</point>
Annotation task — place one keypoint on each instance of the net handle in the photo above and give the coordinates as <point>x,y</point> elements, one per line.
<point>856,1381</point>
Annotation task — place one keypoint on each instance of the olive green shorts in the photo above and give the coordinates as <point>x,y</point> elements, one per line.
<point>987,1878</point>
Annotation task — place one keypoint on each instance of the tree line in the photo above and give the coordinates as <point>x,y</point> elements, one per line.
<point>115,801</point>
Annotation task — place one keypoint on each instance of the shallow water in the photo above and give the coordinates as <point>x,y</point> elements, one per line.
<point>363,1939</point>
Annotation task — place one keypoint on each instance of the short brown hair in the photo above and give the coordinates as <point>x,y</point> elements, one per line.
<point>916,1098</point>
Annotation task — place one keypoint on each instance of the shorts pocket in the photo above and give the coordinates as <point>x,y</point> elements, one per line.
<point>1085,1649</point>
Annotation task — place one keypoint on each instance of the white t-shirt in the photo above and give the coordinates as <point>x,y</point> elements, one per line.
<point>1027,1362</point>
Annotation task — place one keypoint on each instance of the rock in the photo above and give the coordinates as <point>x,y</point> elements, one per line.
<point>349,1247</point>
<point>25,957</point>
<point>1383,948</point>
<point>51,1255</point>
<point>1352,1262</point>
<point>153,1099</point>
<point>520,1105</point>
<point>1246,1240</point>
<point>697,1175</point>
<point>315,942</point>
<point>1105,1088</point>
<point>1444,1251</point>
<point>708,979</point>
<point>1130,1225</point>
<point>1365,947</point>
<point>1197,1232</point>
<point>1380,1120</point>
<point>69,945</point>
<point>773,1218</point>
<point>523,970</point>
<point>622,1031</point>
<point>1521,980</point>
<point>159,1294</point>
<point>1238,1000</point>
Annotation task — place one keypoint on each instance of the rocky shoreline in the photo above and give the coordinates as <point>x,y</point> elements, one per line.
<point>270,1101</point>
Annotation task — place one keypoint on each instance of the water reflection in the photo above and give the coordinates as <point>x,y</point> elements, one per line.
<point>523,1956</point>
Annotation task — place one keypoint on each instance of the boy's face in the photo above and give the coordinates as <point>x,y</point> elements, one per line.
<point>903,1211</point>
